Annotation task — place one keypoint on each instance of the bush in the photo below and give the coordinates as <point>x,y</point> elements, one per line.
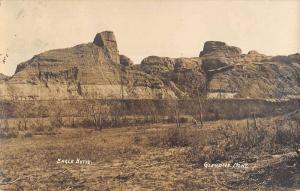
<point>242,143</point>
<point>86,122</point>
<point>199,154</point>
<point>176,137</point>
<point>136,139</point>
<point>183,119</point>
<point>287,136</point>
<point>7,134</point>
<point>12,134</point>
<point>28,135</point>
<point>57,121</point>
<point>173,137</point>
<point>39,128</point>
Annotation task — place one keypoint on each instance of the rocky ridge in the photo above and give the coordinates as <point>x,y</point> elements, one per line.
<point>97,70</point>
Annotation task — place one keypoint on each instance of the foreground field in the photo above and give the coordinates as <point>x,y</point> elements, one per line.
<point>154,157</point>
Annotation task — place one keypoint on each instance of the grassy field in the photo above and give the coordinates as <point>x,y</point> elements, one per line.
<point>155,157</point>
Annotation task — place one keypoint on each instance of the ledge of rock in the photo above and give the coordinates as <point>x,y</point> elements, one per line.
<point>292,58</point>
<point>155,64</point>
<point>213,64</point>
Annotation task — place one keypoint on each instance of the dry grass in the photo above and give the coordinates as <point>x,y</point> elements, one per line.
<point>231,140</point>
<point>156,157</point>
<point>173,137</point>
<point>237,142</point>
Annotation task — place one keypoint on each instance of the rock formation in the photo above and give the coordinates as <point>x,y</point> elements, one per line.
<point>125,61</point>
<point>216,47</point>
<point>97,70</point>
<point>108,41</point>
<point>3,77</point>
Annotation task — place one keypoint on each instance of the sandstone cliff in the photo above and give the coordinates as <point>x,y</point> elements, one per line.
<point>97,70</point>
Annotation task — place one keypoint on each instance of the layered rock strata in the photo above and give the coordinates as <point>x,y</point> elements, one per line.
<point>97,70</point>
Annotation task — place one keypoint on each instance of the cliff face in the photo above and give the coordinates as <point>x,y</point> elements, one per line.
<point>251,75</point>
<point>96,70</point>
<point>90,70</point>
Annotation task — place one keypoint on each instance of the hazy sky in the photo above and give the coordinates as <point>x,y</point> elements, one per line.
<point>153,27</point>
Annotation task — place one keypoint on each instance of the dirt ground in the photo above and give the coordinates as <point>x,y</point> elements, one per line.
<point>121,159</point>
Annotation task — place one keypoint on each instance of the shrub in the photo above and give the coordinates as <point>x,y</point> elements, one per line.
<point>199,154</point>
<point>173,137</point>
<point>176,137</point>
<point>28,134</point>
<point>240,142</point>
<point>136,139</point>
<point>39,128</point>
<point>12,134</point>
<point>287,136</point>
<point>7,134</point>
<point>183,119</point>
<point>57,121</point>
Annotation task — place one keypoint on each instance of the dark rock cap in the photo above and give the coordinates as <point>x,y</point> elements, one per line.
<point>253,52</point>
<point>107,40</point>
<point>287,59</point>
<point>125,61</point>
<point>219,47</point>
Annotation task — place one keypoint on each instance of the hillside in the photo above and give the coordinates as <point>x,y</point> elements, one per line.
<point>97,70</point>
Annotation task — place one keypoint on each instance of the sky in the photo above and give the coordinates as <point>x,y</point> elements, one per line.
<point>173,28</point>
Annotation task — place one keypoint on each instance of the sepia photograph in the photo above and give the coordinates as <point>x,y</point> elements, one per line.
<point>140,95</point>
